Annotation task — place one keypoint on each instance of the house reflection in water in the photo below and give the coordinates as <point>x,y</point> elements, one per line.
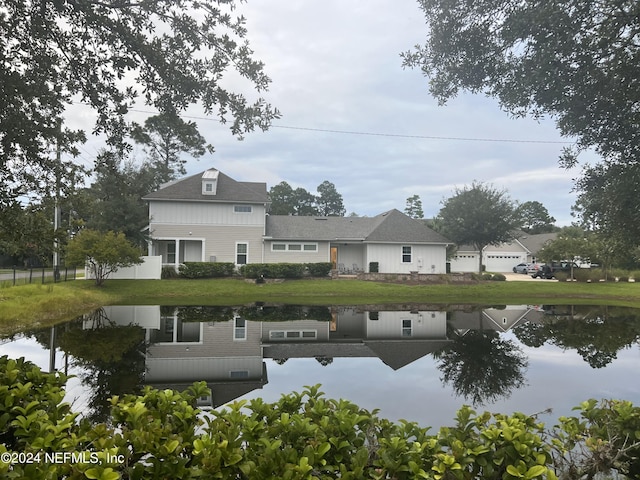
<point>226,347</point>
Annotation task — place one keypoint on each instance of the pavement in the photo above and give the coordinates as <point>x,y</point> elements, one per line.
<point>521,277</point>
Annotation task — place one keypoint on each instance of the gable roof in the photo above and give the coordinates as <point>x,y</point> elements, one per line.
<point>392,226</point>
<point>189,189</point>
<point>534,243</point>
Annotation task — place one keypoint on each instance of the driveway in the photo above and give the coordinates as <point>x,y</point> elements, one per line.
<point>520,277</point>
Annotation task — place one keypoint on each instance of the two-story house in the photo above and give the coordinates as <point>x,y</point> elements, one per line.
<point>210,217</point>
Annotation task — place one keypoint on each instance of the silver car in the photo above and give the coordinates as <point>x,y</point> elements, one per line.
<point>522,268</point>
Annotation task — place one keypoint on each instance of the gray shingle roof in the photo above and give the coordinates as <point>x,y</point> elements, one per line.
<point>391,226</point>
<point>228,190</point>
<point>534,243</point>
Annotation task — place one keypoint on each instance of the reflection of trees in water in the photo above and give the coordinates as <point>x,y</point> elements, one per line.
<point>111,356</point>
<point>596,333</point>
<point>482,367</point>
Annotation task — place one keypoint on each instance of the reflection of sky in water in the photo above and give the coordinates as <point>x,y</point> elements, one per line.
<point>31,350</point>
<point>556,378</point>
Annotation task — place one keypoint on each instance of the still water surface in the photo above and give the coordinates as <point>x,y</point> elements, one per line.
<point>416,362</point>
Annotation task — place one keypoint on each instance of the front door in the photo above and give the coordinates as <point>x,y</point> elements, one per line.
<point>334,257</point>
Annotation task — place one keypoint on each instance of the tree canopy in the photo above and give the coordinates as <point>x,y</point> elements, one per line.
<point>534,218</point>
<point>110,55</point>
<point>103,253</point>
<point>414,207</point>
<point>287,201</point>
<point>165,138</point>
<point>478,215</point>
<point>575,61</point>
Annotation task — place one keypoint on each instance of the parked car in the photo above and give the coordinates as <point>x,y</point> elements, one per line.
<point>548,270</point>
<point>525,268</point>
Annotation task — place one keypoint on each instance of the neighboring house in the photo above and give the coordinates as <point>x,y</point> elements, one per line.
<point>212,217</point>
<point>501,258</point>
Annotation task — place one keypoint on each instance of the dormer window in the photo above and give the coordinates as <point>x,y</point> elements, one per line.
<point>210,182</point>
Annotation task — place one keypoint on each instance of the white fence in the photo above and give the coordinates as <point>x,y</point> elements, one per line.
<point>150,269</point>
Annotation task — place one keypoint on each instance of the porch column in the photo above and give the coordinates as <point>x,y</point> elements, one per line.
<point>177,260</point>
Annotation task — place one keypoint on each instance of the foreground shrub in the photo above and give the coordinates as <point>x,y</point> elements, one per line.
<point>206,269</point>
<point>160,434</point>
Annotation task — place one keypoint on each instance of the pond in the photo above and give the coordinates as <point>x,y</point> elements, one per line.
<point>416,362</point>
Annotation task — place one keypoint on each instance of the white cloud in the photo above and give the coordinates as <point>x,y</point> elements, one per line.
<point>336,65</point>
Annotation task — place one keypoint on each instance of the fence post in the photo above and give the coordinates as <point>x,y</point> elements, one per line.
<point>14,275</point>
<point>30,274</point>
<point>43,275</point>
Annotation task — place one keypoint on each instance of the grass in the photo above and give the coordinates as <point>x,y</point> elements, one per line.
<point>31,305</point>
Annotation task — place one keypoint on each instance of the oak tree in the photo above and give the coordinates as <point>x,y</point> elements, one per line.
<point>112,55</point>
<point>573,61</point>
<point>478,215</point>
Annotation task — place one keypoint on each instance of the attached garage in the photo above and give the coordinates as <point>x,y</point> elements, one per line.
<point>503,262</point>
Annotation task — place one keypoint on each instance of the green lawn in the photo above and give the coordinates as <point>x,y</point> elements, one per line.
<point>42,304</point>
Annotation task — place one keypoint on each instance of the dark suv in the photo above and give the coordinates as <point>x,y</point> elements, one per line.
<point>549,270</point>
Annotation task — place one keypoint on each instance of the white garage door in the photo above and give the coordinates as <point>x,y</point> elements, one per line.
<point>465,263</point>
<point>503,262</point>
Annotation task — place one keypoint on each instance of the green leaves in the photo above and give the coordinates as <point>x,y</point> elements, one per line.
<point>173,53</point>
<point>103,252</point>
<point>160,434</point>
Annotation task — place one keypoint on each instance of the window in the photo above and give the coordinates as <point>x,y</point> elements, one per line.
<point>171,252</point>
<point>292,334</point>
<point>242,209</point>
<point>294,247</point>
<point>406,254</point>
<point>239,329</point>
<point>242,249</point>
<point>406,328</point>
<point>236,374</point>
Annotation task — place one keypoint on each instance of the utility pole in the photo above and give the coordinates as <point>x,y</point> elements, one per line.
<point>56,209</point>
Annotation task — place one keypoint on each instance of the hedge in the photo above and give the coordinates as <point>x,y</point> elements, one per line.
<point>285,270</point>
<point>160,434</point>
<point>206,269</point>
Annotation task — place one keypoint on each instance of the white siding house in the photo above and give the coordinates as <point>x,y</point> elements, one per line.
<point>211,217</point>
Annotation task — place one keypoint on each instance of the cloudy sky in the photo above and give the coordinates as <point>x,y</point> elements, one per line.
<point>353,116</point>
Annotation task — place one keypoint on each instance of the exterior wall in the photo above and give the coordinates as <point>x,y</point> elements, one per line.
<point>203,213</point>
<point>270,256</point>
<point>321,330</point>
<point>424,258</point>
<point>218,241</point>
<point>216,340</point>
<point>423,325</point>
<point>352,257</point>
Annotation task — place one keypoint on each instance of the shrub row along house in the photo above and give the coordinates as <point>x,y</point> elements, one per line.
<point>210,217</point>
